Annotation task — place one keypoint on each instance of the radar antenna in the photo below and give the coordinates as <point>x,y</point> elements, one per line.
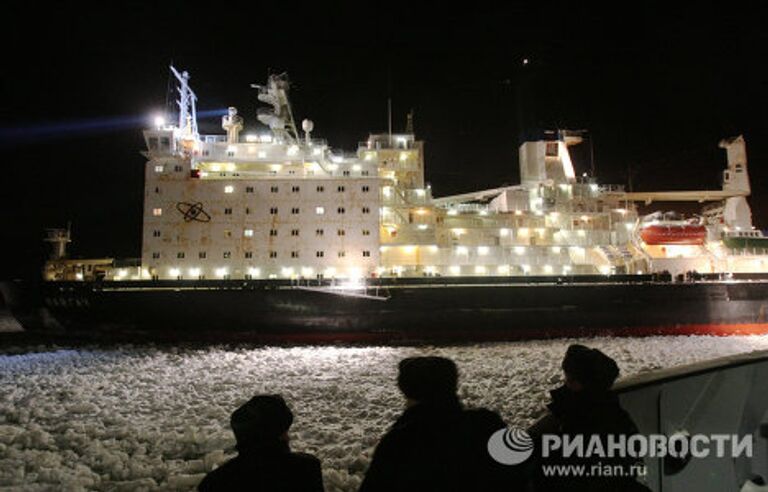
<point>187,104</point>
<point>279,118</point>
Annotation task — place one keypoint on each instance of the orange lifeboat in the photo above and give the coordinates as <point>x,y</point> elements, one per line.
<point>671,228</point>
<point>691,234</point>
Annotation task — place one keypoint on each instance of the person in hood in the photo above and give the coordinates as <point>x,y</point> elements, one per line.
<point>265,461</point>
<point>436,444</point>
<point>586,406</point>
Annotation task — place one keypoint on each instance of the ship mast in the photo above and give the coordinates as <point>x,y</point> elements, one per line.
<point>279,118</point>
<point>187,105</point>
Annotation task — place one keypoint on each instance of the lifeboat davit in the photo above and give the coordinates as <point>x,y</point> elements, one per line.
<point>689,234</point>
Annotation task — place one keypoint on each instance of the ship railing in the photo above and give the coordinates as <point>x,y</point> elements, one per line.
<point>470,207</point>
<point>635,241</point>
<point>410,238</point>
<point>396,144</point>
<point>611,188</point>
<point>127,263</point>
<point>747,251</point>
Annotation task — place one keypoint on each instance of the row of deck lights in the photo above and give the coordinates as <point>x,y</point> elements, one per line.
<point>479,269</point>
<point>357,273</point>
<point>291,272</point>
<point>286,272</point>
<point>481,249</point>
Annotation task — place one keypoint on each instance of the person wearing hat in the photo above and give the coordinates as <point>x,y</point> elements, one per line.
<point>436,445</point>
<point>586,406</point>
<point>264,461</point>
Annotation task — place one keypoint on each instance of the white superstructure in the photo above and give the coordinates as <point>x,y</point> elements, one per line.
<point>280,204</point>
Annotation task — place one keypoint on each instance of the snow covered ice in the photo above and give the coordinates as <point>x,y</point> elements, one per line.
<point>149,418</point>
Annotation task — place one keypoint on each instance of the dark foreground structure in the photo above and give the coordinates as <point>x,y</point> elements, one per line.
<point>724,396</point>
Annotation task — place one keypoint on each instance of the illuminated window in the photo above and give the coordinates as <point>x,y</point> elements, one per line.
<point>248,233</point>
<point>229,189</point>
<point>319,210</point>
<point>551,150</point>
<point>157,212</point>
<point>159,169</point>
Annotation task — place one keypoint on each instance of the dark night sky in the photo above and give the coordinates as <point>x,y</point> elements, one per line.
<point>657,87</point>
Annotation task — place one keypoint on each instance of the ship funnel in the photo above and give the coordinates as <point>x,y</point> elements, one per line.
<point>59,238</point>
<point>736,177</point>
<point>279,118</point>
<point>547,159</point>
<point>736,212</point>
<point>232,124</point>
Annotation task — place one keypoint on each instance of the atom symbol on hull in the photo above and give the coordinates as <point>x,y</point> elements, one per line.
<point>193,212</point>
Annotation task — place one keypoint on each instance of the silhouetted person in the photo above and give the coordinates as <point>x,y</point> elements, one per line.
<point>264,461</point>
<point>436,445</point>
<point>585,405</point>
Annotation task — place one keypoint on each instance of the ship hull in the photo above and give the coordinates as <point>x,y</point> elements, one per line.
<point>420,309</point>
